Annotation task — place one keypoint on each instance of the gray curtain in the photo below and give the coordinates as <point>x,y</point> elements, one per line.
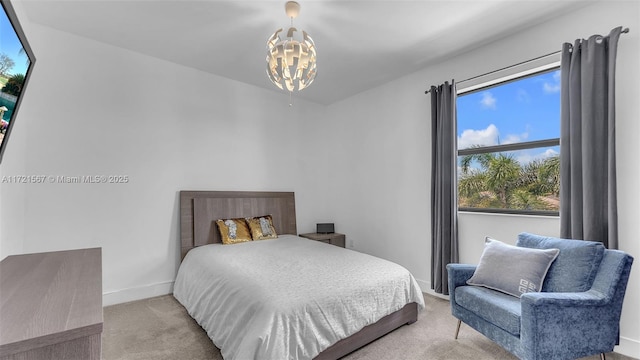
<point>588,207</point>
<point>444,186</point>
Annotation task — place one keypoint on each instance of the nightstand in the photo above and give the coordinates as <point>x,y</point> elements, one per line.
<point>333,239</point>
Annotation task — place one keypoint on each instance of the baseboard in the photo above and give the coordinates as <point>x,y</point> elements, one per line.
<point>628,347</point>
<point>425,287</point>
<point>137,293</point>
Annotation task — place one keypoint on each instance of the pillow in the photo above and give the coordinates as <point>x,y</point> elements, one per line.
<point>233,231</point>
<point>512,270</point>
<point>576,266</point>
<point>262,227</point>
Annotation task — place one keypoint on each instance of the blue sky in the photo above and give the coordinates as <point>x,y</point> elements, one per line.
<point>10,45</point>
<point>523,110</point>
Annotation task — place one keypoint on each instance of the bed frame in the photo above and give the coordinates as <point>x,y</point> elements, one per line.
<point>200,209</point>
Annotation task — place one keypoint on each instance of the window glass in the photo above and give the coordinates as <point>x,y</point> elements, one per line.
<point>525,180</point>
<point>508,142</point>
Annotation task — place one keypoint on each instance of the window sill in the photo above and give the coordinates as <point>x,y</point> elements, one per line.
<point>506,212</point>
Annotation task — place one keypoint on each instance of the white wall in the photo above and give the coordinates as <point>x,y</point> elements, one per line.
<point>363,163</point>
<point>382,154</point>
<point>94,109</point>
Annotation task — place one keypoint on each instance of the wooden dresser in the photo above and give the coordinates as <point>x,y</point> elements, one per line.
<point>51,305</point>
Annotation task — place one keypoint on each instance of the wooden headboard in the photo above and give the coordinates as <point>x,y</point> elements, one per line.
<point>200,209</point>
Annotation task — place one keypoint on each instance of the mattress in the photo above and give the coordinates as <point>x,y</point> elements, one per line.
<point>288,298</point>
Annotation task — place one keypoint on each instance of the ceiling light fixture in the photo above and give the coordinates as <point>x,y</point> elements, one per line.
<point>291,64</point>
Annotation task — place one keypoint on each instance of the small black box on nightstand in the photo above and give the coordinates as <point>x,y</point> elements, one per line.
<point>326,228</point>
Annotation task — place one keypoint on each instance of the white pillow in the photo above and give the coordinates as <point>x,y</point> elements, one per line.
<point>511,269</point>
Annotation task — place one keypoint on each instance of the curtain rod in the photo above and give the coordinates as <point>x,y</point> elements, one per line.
<point>624,31</point>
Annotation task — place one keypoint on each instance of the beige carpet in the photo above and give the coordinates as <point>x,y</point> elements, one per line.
<point>160,329</point>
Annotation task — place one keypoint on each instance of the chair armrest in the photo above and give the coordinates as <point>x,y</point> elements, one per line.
<point>459,274</point>
<point>553,321</point>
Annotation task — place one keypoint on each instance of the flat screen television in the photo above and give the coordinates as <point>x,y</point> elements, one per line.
<point>16,65</point>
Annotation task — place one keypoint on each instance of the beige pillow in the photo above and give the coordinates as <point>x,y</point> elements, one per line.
<point>262,228</point>
<point>233,231</point>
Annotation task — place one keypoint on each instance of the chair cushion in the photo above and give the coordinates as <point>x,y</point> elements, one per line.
<point>575,267</point>
<point>493,306</point>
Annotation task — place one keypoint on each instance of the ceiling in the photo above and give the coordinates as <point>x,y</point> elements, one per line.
<point>361,44</point>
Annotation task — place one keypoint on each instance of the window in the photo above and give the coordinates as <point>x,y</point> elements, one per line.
<point>509,145</point>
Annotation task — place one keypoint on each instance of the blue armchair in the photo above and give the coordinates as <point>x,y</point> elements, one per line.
<point>576,314</point>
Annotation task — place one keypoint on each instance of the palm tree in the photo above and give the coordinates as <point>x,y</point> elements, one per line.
<point>549,175</point>
<point>525,200</point>
<point>23,52</point>
<point>499,175</point>
<point>14,85</point>
<point>501,182</point>
<point>504,173</point>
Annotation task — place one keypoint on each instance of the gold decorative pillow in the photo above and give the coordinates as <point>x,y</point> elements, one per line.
<point>233,231</point>
<point>262,227</point>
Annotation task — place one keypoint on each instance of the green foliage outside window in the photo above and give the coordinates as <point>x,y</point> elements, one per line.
<point>14,85</point>
<point>499,181</point>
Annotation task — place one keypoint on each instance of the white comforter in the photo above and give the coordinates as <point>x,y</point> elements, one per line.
<point>288,298</point>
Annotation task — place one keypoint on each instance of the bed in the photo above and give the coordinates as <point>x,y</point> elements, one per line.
<point>274,309</point>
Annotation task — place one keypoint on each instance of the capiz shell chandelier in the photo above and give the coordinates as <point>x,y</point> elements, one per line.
<point>291,64</point>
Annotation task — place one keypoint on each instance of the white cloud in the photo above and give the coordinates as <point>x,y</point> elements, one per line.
<point>526,158</point>
<point>554,85</point>
<point>512,139</point>
<point>488,101</point>
<point>516,138</point>
<point>549,153</point>
<point>485,137</point>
